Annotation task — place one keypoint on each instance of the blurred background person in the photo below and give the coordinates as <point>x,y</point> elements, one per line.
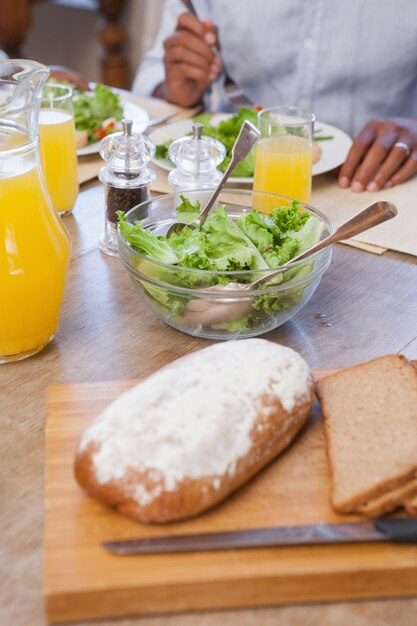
<point>348,65</point>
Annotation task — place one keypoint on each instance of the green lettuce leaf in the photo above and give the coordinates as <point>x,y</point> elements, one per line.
<point>145,241</point>
<point>168,304</point>
<point>203,118</point>
<point>232,125</point>
<point>187,211</point>
<point>91,110</point>
<point>289,218</point>
<point>282,254</point>
<point>228,245</point>
<point>189,246</point>
<point>219,246</point>
<point>161,150</point>
<point>309,234</point>
<point>276,236</point>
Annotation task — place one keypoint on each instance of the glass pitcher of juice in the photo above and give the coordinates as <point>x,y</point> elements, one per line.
<point>34,244</point>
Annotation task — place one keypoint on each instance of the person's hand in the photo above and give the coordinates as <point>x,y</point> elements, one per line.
<point>383,154</point>
<point>191,65</point>
<point>62,73</point>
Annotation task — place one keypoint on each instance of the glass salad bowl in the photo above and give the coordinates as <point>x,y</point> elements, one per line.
<point>211,303</point>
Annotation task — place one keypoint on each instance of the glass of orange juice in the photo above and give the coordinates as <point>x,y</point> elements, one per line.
<point>57,147</point>
<point>283,160</point>
<point>34,244</point>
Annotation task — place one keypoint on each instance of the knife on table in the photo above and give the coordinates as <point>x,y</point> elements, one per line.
<point>396,530</point>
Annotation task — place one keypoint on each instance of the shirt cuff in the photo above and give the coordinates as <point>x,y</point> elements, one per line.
<point>147,79</point>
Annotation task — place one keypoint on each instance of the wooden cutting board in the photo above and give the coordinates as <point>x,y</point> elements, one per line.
<point>83,581</point>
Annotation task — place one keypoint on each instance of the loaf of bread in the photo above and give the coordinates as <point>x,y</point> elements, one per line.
<point>186,437</point>
<point>370,414</point>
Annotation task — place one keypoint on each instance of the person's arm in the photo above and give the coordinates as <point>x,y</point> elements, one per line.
<point>59,72</point>
<point>151,72</point>
<point>182,63</point>
<point>383,154</point>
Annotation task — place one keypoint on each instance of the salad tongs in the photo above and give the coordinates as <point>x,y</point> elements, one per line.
<point>220,308</point>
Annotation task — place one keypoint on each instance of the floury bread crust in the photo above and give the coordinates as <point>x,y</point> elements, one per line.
<point>186,437</point>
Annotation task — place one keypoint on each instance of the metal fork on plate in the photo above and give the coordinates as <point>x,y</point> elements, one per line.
<point>232,91</point>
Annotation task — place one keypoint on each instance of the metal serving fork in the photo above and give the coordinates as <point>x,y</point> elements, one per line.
<point>232,91</point>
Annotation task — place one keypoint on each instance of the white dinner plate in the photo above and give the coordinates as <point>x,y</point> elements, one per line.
<point>333,151</point>
<point>132,112</point>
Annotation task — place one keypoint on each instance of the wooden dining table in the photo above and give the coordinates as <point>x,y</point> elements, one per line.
<point>365,306</point>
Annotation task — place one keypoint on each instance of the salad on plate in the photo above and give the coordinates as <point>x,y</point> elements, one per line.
<point>225,128</point>
<point>97,113</point>
<point>225,131</point>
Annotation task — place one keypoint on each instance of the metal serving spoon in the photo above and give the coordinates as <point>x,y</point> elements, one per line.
<point>209,312</point>
<point>246,139</point>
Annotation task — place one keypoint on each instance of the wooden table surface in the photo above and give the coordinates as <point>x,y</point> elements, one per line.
<point>106,333</point>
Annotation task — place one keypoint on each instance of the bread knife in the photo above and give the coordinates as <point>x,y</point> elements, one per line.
<point>397,530</point>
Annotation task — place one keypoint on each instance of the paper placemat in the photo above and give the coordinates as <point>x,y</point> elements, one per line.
<point>89,167</point>
<point>398,234</point>
<point>368,247</point>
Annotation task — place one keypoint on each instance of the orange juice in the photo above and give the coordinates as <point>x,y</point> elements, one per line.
<point>59,157</point>
<point>283,165</point>
<point>34,253</point>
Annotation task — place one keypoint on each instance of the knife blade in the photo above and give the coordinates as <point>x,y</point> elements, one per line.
<point>396,530</point>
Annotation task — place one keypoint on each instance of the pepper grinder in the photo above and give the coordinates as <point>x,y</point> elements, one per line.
<point>196,158</point>
<point>126,177</point>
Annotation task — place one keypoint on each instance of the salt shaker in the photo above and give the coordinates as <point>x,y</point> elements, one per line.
<point>126,177</point>
<point>196,158</point>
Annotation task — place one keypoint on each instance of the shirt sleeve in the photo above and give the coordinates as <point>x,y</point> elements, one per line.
<point>151,72</point>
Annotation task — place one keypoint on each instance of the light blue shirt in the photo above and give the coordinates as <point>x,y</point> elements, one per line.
<point>346,61</point>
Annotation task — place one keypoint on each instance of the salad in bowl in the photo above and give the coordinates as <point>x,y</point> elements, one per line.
<point>237,244</point>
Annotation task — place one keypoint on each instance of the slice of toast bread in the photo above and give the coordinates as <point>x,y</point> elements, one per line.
<point>370,416</point>
<point>390,501</point>
<point>410,506</point>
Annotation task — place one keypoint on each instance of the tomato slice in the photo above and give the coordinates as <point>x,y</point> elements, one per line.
<point>99,133</point>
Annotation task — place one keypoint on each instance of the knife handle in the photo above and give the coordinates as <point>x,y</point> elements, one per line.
<point>398,530</point>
